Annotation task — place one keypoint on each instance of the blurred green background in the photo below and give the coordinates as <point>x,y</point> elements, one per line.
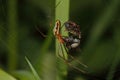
<point>99,22</point>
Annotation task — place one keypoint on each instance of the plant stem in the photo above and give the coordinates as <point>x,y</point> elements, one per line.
<point>62,14</point>
<point>13,35</point>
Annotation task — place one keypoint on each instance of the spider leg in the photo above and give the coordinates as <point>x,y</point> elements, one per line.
<point>61,26</point>
<point>68,63</point>
<point>75,59</point>
<point>41,33</point>
<point>61,54</point>
<point>78,61</point>
<point>44,35</point>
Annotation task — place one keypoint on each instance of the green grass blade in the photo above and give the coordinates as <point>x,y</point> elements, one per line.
<point>33,70</point>
<point>62,14</point>
<point>5,76</point>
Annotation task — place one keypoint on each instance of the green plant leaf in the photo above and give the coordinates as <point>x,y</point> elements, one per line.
<point>33,70</point>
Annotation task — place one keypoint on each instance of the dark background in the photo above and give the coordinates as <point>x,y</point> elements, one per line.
<point>99,22</point>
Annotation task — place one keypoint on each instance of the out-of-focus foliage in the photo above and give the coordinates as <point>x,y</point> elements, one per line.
<point>99,22</point>
<point>5,76</point>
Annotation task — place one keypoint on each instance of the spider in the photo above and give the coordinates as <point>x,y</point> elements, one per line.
<point>69,42</point>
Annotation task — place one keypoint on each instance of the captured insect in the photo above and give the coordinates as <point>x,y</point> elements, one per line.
<point>73,28</point>
<point>69,42</point>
